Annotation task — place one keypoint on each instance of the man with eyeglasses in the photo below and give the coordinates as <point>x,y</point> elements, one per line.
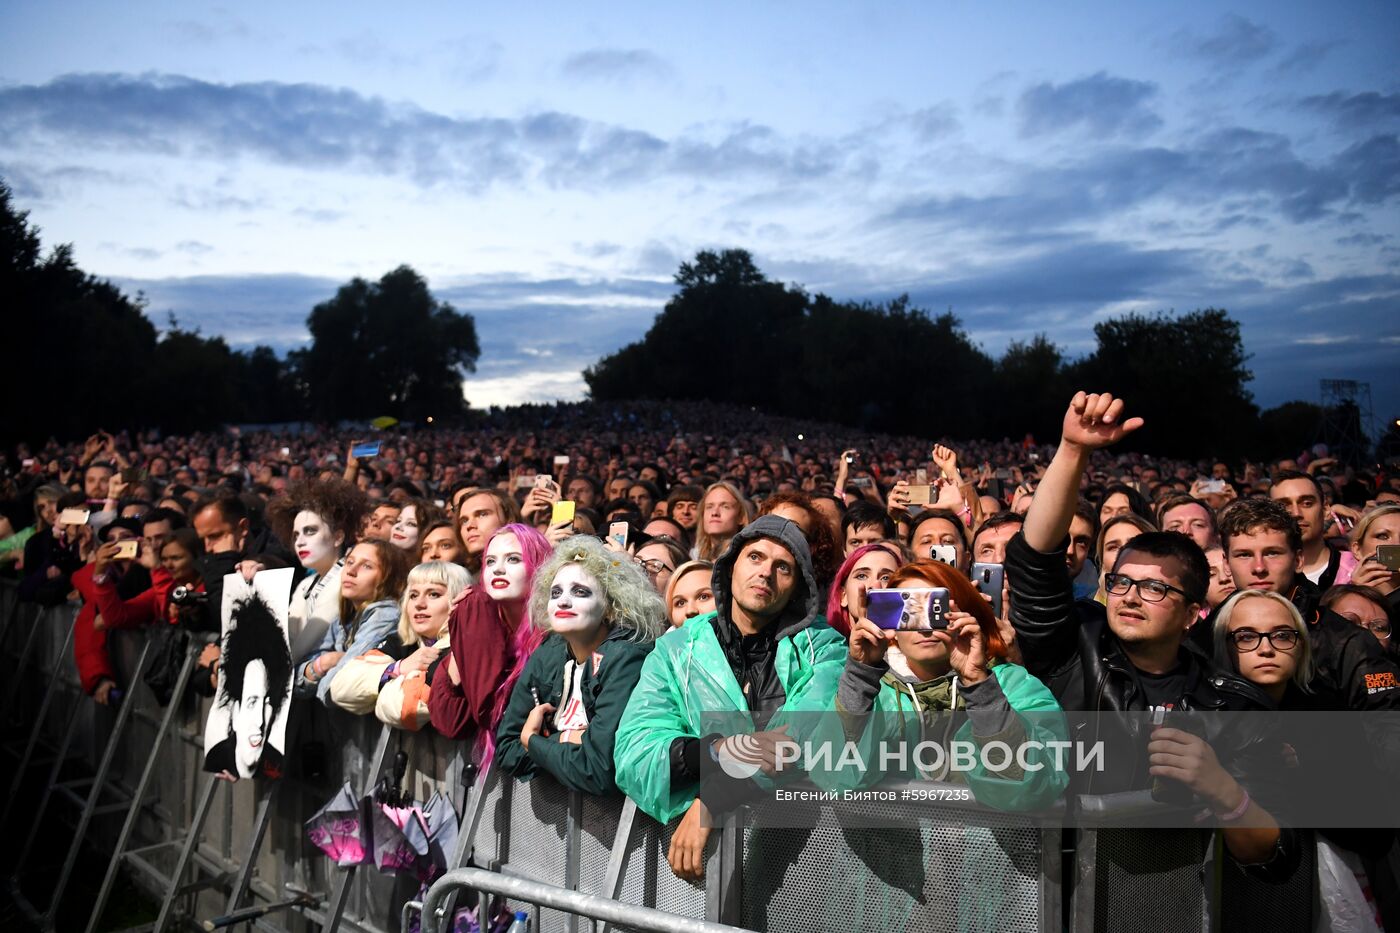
<point>1134,657</point>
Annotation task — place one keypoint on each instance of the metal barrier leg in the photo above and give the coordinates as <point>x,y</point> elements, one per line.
<point>177,875</point>
<point>617,858</point>
<point>39,720</point>
<point>342,886</point>
<point>11,614</point>
<point>260,821</point>
<point>18,677</point>
<point>58,761</point>
<point>99,780</point>
<point>138,796</point>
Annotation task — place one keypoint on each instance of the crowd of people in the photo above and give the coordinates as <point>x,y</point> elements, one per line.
<point>620,596</point>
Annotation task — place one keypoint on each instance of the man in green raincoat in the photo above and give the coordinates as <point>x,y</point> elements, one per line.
<point>721,687</point>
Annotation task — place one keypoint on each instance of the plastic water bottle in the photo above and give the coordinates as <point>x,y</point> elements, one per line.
<point>521,924</point>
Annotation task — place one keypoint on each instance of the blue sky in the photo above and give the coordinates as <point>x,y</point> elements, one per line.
<point>1033,167</point>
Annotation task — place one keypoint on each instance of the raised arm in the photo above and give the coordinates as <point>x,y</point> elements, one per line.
<point>1092,422</point>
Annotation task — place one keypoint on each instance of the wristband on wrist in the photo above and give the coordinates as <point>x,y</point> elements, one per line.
<point>1238,812</point>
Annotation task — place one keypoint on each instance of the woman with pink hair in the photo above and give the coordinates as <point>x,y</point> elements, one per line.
<point>491,639</point>
<point>868,567</point>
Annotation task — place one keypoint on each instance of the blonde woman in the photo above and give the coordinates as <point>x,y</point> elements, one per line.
<point>723,511</point>
<point>426,609</point>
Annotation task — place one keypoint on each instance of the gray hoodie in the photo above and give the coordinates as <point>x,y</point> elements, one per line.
<point>751,657</point>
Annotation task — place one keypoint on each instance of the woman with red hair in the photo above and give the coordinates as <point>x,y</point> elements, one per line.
<point>961,688</point>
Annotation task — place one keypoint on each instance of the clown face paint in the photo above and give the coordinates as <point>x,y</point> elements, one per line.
<point>316,543</point>
<point>503,569</point>
<point>576,602</point>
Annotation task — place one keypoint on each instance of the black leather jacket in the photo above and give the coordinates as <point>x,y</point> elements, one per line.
<point>1069,646</point>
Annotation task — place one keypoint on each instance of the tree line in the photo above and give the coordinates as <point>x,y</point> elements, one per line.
<point>734,335</point>
<point>85,354</point>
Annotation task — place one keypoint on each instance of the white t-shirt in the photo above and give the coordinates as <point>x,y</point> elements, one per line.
<point>571,714</point>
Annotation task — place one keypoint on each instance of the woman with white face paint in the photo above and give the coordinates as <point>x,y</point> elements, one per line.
<point>603,616</point>
<point>491,639</point>
<point>317,520</point>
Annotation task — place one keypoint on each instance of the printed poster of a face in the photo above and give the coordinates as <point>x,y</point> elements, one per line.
<point>245,733</point>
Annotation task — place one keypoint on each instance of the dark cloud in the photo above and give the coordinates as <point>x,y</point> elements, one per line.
<point>31,182</point>
<point>1232,163</point>
<point>1234,43</point>
<point>316,127</point>
<point>1363,239</point>
<point>1356,111</point>
<point>615,65</point>
<point>1101,104</point>
<point>1307,56</point>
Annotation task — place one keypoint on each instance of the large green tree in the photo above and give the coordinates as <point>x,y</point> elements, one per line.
<point>387,348</point>
<point>1185,375</point>
<point>731,334</point>
<point>85,355</point>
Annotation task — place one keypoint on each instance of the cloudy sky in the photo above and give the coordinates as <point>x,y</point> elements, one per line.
<point>1034,167</point>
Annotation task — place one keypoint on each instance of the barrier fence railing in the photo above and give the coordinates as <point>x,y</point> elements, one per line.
<point>574,858</point>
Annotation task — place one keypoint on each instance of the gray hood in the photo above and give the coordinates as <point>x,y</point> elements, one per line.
<point>805,606</point>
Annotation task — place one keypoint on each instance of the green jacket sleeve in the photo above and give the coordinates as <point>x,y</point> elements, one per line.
<point>588,766</point>
<point>654,717</point>
<point>1039,721</point>
<point>510,753</point>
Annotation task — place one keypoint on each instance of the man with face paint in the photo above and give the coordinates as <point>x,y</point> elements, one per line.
<point>764,651</point>
<point>603,616</point>
<point>257,679</point>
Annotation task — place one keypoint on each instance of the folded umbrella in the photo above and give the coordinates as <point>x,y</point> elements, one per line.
<point>340,829</point>
<point>400,838</point>
<point>441,819</point>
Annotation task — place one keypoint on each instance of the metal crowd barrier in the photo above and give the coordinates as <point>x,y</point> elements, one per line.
<point>577,858</point>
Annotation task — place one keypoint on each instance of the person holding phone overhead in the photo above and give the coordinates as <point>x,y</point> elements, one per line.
<point>961,665</point>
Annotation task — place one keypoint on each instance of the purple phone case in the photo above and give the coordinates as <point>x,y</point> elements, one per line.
<point>891,609</point>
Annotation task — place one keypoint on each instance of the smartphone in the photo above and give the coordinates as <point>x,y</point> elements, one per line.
<point>27,462</point>
<point>916,610</point>
<point>286,451</point>
<point>944,554</point>
<point>1002,475</point>
<point>73,517</point>
<point>921,495</point>
<point>861,482</point>
<point>563,513</point>
<point>127,550</point>
<point>1213,486</point>
<point>561,463</point>
<point>921,476</point>
<point>363,449</point>
<point>133,475</point>
<point>617,534</point>
<point>989,579</point>
<point>1389,556</point>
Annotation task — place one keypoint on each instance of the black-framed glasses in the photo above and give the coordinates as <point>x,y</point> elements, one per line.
<point>653,567</point>
<point>1285,639</point>
<point>1152,591</point>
